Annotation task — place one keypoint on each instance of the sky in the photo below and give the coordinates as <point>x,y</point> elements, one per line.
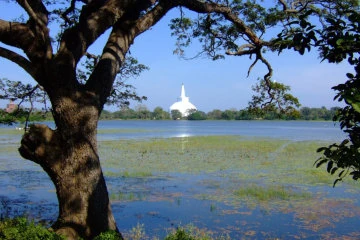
<point>221,84</point>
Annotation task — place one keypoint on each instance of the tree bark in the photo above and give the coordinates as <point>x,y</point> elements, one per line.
<point>69,156</point>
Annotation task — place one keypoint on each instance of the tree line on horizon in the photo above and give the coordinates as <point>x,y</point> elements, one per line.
<point>141,112</point>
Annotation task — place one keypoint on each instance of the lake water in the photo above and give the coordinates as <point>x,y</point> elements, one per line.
<point>168,200</point>
<point>292,130</point>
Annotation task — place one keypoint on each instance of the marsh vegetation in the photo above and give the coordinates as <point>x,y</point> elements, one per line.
<point>224,186</point>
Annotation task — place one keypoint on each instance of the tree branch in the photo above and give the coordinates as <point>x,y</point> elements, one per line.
<point>17,35</point>
<point>118,44</point>
<point>153,16</point>
<point>33,37</point>
<point>67,11</point>
<point>95,18</point>
<point>37,12</point>
<point>293,6</point>
<point>246,49</point>
<point>19,60</point>
<point>39,15</point>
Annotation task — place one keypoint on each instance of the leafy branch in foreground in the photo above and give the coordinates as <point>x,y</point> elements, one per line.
<point>337,42</point>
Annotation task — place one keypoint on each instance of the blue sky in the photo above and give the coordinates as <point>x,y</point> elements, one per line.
<point>221,84</point>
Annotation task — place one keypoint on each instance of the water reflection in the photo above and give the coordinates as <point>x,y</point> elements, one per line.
<point>292,130</point>
<point>184,140</point>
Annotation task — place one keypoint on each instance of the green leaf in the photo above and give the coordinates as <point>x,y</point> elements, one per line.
<point>334,170</point>
<point>337,180</point>
<point>303,23</point>
<point>354,102</point>
<point>339,41</point>
<point>329,166</point>
<point>321,149</point>
<point>350,75</point>
<point>319,163</point>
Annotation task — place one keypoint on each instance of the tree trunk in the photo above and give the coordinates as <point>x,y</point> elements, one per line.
<point>69,156</point>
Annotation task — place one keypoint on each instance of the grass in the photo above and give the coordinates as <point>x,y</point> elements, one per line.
<point>127,197</point>
<point>266,159</point>
<point>11,131</point>
<point>268,193</point>
<point>184,155</point>
<point>21,228</point>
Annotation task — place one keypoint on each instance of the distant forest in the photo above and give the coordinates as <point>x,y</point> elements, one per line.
<point>141,112</point>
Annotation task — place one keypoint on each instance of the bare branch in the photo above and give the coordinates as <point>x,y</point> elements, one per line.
<point>19,60</point>
<point>293,9</point>
<point>67,11</point>
<point>33,37</point>
<point>246,49</point>
<point>41,22</point>
<point>15,34</point>
<point>283,3</point>
<point>251,66</point>
<point>96,17</point>
<point>153,16</point>
<point>92,56</point>
<point>268,76</point>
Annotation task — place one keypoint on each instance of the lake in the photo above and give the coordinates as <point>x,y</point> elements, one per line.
<point>292,130</point>
<point>165,197</point>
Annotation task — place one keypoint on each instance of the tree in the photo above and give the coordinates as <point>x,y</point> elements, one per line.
<point>69,153</point>
<point>197,115</point>
<point>229,114</point>
<point>160,114</point>
<point>244,114</point>
<point>176,114</point>
<point>125,113</point>
<point>142,112</point>
<point>272,100</point>
<point>338,42</point>
<point>215,114</point>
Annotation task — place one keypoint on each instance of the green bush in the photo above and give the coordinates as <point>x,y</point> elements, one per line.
<point>20,228</point>
<point>191,232</point>
<point>180,234</point>
<point>108,235</point>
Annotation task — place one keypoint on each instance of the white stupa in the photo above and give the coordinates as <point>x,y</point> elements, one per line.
<point>183,105</point>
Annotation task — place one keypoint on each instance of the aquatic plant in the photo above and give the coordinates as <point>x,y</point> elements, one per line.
<point>268,193</point>
<point>137,232</point>
<point>191,232</point>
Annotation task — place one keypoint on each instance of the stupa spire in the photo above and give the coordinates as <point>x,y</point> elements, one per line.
<point>182,95</point>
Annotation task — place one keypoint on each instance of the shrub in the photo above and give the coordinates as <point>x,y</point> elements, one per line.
<point>191,232</point>
<point>108,235</point>
<point>20,228</point>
